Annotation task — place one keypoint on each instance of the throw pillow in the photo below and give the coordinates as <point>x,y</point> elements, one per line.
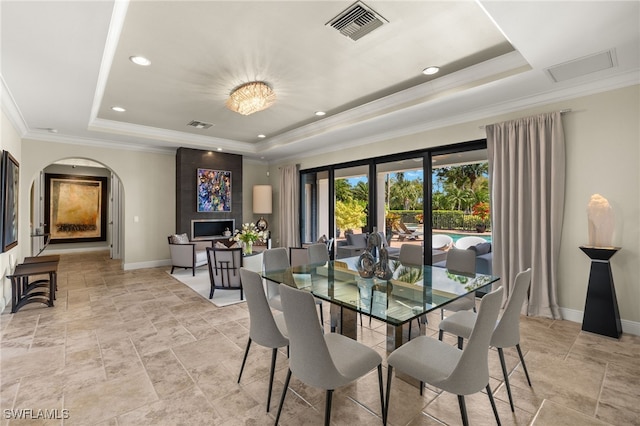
<point>179,239</point>
<point>219,245</point>
<point>482,248</point>
<point>235,245</point>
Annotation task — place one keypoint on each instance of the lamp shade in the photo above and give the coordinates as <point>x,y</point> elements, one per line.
<point>262,199</point>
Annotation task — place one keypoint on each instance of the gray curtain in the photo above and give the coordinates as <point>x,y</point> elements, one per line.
<point>289,214</point>
<point>527,175</point>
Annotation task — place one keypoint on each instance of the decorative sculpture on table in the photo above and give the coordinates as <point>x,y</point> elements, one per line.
<point>601,221</point>
<point>367,265</point>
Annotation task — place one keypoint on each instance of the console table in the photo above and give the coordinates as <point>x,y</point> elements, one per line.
<point>601,313</point>
<point>24,292</point>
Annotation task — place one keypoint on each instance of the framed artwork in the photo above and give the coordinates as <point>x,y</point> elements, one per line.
<point>10,185</point>
<point>76,208</point>
<point>214,190</point>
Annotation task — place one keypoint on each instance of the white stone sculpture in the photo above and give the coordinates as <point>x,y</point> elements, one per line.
<point>601,221</point>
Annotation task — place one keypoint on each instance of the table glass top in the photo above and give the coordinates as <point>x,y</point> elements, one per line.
<point>411,292</point>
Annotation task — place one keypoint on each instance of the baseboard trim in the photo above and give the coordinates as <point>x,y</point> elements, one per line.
<point>629,327</point>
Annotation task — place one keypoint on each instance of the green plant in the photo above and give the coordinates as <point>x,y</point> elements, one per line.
<point>350,214</point>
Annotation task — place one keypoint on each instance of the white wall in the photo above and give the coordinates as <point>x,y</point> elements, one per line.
<point>603,156</point>
<point>10,141</point>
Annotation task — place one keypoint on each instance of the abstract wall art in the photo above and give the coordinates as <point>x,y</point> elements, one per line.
<point>214,190</point>
<point>77,208</point>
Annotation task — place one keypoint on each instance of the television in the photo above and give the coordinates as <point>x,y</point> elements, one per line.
<point>211,228</point>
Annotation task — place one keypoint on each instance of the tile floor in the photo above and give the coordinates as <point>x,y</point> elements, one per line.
<point>138,347</point>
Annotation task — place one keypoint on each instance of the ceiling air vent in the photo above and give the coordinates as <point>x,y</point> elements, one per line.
<point>199,124</point>
<point>357,21</point>
<point>583,66</point>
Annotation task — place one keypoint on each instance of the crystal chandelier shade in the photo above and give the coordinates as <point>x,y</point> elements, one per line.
<point>251,97</point>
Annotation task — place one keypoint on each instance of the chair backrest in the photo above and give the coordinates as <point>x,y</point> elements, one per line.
<point>471,374</point>
<point>411,255</point>
<point>275,259</point>
<point>507,332</point>
<point>309,357</point>
<point>441,241</point>
<point>461,261</point>
<point>224,267</point>
<point>299,255</point>
<point>262,329</point>
<point>466,242</point>
<point>318,254</point>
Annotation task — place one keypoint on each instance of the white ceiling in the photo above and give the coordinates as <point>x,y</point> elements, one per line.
<point>65,63</point>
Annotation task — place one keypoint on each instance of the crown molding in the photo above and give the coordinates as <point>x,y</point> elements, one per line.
<point>44,136</point>
<point>11,110</point>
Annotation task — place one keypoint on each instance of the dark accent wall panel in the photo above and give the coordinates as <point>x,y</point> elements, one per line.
<point>188,161</point>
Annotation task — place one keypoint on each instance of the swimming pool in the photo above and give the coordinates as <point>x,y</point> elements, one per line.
<point>456,236</point>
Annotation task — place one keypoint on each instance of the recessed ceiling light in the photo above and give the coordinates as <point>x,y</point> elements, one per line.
<point>118,109</point>
<point>262,136</point>
<point>320,113</point>
<point>430,70</point>
<point>219,149</point>
<point>140,60</point>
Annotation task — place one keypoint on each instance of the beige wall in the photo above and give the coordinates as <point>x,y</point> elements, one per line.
<point>10,141</point>
<point>603,156</point>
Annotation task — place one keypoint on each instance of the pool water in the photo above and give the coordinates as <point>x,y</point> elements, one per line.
<point>456,237</point>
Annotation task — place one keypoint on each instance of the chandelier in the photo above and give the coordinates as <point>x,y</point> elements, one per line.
<point>251,97</point>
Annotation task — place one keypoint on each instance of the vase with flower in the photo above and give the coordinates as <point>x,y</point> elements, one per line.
<point>248,235</point>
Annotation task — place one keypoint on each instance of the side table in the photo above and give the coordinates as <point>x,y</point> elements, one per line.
<point>601,315</point>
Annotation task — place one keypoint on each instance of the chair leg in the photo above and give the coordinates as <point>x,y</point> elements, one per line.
<point>211,292</point>
<point>193,271</point>
<point>410,329</point>
<point>386,404</point>
<point>172,268</point>
<point>381,388</point>
<point>440,333</point>
<point>463,410</point>
<point>421,387</point>
<point>244,360</point>
<point>273,369</point>
<point>327,408</point>
<point>284,393</point>
<point>321,316</point>
<point>460,342</point>
<point>493,404</point>
<point>524,366</point>
<point>506,377</point>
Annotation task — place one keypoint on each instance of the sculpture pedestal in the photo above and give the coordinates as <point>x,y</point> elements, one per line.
<point>601,313</point>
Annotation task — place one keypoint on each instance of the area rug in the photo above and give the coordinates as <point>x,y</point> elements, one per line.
<point>202,285</point>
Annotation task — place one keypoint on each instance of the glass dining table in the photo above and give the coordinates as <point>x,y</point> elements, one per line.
<point>410,293</point>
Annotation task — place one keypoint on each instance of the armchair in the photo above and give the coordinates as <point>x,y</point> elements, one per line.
<point>187,254</point>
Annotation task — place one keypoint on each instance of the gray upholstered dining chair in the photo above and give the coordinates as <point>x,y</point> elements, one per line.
<point>318,254</point>
<point>507,331</point>
<point>265,328</point>
<point>412,255</point>
<point>275,259</point>
<point>461,372</point>
<point>326,361</point>
<point>463,262</point>
<point>310,255</point>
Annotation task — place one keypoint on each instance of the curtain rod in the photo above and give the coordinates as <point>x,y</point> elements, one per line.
<point>562,111</point>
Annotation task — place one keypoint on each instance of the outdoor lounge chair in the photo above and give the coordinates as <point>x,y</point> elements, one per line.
<point>403,232</point>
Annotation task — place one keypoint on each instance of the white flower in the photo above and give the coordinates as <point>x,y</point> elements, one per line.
<point>249,234</point>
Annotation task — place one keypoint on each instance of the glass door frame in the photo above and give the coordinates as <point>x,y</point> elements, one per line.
<point>427,155</point>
